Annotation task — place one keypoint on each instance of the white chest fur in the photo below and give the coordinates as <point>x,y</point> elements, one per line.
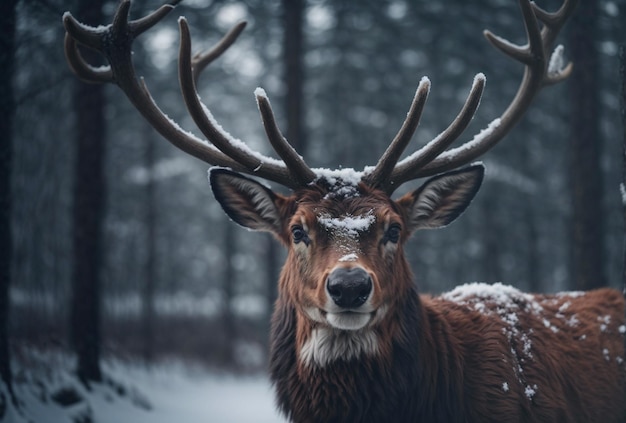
<point>327,345</point>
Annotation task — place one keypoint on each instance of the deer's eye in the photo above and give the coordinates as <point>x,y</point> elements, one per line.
<point>392,234</point>
<point>299,235</point>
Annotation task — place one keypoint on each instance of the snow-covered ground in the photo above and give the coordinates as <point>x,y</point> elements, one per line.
<point>165,393</point>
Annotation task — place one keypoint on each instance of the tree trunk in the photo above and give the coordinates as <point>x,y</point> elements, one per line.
<point>533,261</point>
<point>88,213</point>
<point>150,221</point>
<point>294,73</point>
<point>587,226</point>
<point>228,289</point>
<point>622,74</point>
<point>7,111</point>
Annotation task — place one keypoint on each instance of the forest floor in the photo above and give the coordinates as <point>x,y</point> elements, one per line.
<point>48,392</point>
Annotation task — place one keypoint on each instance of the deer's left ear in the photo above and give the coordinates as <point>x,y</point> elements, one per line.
<point>246,201</point>
<point>442,198</point>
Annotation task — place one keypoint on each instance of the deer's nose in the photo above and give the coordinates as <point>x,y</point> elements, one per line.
<point>349,287</point>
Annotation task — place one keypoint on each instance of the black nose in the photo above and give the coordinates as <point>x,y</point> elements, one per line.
<point>349,288</point>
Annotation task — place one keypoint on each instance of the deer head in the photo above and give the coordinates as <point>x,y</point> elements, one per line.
<point>344,237</point>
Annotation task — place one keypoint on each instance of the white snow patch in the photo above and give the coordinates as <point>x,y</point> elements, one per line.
<point>260,92</point>
<point>622,190</point>
<point>605,321</point>
<point>572,321</point>
<point>188,134</point>
<point>497,292</point>
<point>237,143</point>
<point>346,176</point>
<point>572,294</point>
<point>164,393</point>
<point>526,345</point>
<point>479,77</point>
<point>530,391</point>
<point>341,182</point>
<point>90,28</point>
<point>347,225</point>
<point>349,257</point>
<point>549,325</point>
<point>605,353</point>
<point>473,143</point>
<point>564,306</point>
<point>505,387</point>
<point>622,329</point>
<point>556,64</point>
<point>510,304</point>
<point>506,302</point>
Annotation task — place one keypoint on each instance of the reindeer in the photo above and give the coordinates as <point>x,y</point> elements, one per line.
<point>351,339</point>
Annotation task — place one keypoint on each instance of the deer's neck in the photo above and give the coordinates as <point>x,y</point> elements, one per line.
<point>377,375</point>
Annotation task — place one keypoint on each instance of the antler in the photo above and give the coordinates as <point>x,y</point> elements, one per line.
<point>114,42</point>
<point>540,70</point>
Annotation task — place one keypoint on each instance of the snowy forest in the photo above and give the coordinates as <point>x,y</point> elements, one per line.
<point>162,280</point>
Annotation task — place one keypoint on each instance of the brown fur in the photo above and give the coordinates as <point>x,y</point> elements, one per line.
<point>445,361</point>
<point>480,353</point>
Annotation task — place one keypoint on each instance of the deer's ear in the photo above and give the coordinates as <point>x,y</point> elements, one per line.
<point>246,201</point>
<point>442,198</point>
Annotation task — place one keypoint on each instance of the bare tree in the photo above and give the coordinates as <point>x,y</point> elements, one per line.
<point>88,215</point>
<point>622,72</point>
<point>7,111</point>
<point>587,252</point>
<point>150,275</point>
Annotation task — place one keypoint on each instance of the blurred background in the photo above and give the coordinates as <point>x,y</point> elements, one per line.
<point>161,272</point>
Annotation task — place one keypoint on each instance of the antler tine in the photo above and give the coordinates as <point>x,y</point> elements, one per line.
<point>301,172</point>
<point>533,80</point>
<point>555,20</point>
<point>114,42</point>
<point>141,25</point>
<point>252,162</point>
<point>390,157</point>
<point>81,68</point>
<point>539,72</point>
<point>408,168</point>
<point>84,34</point>
<point>296,164</point>
<point>121,72</point>
<point>201,60</point>
<point>91,38</point>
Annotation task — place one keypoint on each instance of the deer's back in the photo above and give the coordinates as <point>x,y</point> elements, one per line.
<point>538,357</point>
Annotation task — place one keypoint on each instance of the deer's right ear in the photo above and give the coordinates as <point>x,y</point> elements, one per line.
<point>246,201</point>
<point>442,198</point>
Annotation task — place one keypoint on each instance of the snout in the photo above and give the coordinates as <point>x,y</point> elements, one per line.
<point>349,287</point>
